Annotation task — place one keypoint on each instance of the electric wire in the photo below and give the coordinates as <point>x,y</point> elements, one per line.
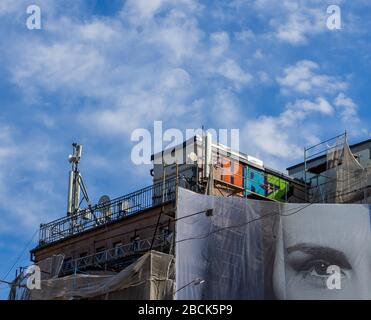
<point>242,224</point>
<point>20,255</point>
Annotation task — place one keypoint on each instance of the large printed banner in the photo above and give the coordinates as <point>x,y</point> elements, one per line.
<point>235,248</point>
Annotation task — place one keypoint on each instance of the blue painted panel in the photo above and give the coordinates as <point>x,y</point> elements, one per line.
<point>254,181</point>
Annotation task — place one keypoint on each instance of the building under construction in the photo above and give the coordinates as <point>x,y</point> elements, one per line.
<point>125,248</point>
<point>334,172</point>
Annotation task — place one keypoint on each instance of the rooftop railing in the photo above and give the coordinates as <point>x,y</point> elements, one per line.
<point>116,209</point>
<point>149,197</point>
<point>111,257</point>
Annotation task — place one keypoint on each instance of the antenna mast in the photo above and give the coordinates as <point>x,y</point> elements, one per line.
<point>75,183</point>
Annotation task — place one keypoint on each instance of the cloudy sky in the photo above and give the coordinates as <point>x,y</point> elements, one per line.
<point>98,69</point>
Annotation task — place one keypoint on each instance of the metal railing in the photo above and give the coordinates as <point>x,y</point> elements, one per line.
<point>110,257</point>
<point>95,216</point>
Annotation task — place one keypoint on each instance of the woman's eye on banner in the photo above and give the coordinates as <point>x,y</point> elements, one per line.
<point>317,266</point>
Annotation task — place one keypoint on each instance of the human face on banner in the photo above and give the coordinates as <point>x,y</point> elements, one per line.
<point>324,252</point>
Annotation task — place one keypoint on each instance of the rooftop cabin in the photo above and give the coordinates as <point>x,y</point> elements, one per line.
<point>83,235</point>
<point>232,172</point>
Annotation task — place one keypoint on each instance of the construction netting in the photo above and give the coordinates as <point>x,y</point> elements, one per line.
<point>235,248</point>
<point>151,277</point>
<point>345,180</point>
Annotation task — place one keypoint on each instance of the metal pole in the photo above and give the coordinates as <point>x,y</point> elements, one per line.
<point>163,201</point>
<point>365,187</point>
<point>176,183</point>
<point>305,174</point>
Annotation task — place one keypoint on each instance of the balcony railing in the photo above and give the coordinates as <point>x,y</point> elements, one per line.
<point>95,216</point>
<point>113,256</point>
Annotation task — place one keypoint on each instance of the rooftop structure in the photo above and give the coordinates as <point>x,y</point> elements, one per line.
<point>334,172</point>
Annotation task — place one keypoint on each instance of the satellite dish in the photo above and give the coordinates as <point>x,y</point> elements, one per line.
<point>192,156</point>
<point>104,205</point>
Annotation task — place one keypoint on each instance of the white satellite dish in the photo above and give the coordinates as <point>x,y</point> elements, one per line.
<point>104,205</point>
<point>193,156</point>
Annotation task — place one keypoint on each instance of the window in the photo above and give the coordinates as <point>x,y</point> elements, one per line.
<point>67,264</point>
<point>135,243</point>
<point>117,248</point>
<point>99,253</point>
<point>165,232</point>
<point>83,261</point>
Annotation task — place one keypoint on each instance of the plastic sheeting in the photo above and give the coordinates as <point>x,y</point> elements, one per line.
<point>249,249</point>
<point>150,277</point>
<point>345,180</point>
<point>346,177</point>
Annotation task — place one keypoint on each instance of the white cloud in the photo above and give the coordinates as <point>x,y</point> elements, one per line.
<point>145,64</point>
<point>144,9</point>
<point>176,78</point>
<point>266,136</point>
<point>140,11</point>
<point>226,109</point>
<point>46,120</point>
<point>263,76</point>
<point>302,109</point>
<point>304,78</point>
<point>348,109</point>
<point>10,6</point>
<point>300,23</point>
<point>8,149</point>
<point>27,181</point>
<point>259,54</point>
<point>244,35</point>
<point>321,105</point>
<point>278,136</point>
<point>60,65</point>
<point>98,31</point>
<point>294,22</point>
<point>179,33</point>
<point>232,71</point>
<point>219,43</point>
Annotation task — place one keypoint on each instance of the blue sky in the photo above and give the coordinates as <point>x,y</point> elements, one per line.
<point>97,70</point>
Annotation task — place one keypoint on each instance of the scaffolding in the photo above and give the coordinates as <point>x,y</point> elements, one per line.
<point>149,277</point>
<point>332,174</point>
